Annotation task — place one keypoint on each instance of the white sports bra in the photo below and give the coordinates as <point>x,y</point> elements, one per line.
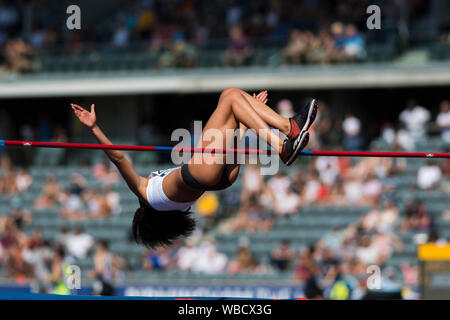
<point>156,196</point>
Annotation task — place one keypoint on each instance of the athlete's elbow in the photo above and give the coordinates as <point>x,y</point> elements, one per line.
<point>118,158</point>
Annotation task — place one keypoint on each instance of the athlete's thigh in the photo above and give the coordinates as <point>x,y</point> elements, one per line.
<point>208,168</point>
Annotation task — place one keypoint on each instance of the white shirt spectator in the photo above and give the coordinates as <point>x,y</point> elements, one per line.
<point>252,181</point>
<point>404,140</point>
<point>351,126</point>
<point>288,203</point>
<point>367,255</point>
<point>443,121</point>
<point>415,120</point>
<point>73,203</point>
<point>113,200</point>
<point>328,168</point>
<point>23,181</point>
<point>372,188</point>
<point>428,176</point>
<point>187,257</point>
<point>209,260</point>
<point>310,190</point>
<point>79,245</point>
<point>279,185</point>
<point>353,191</point>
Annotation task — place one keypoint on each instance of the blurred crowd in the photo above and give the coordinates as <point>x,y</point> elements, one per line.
<point>334,267</point>
<point>46,265</point>
<point>317,31</point>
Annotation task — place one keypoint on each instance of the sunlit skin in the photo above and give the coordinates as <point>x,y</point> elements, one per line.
<point>236,109</point>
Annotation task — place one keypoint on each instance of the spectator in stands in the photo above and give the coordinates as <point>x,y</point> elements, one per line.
<point>59,134</point>
<point>321,48</point>
<point>61,259</point>
<point>108,267</point>
<point>8,183</point>
<point>112,199</point>
<point>353,44</point>
<point>443,120</point>
<point>372,188</point>
<point>337,32</point>
<point>186,256</point>
<point>50,194</point>
<point>20,216</point>
<point>18,56</point>
<point>72,206</point>
<point>279,185</point>
<point>352,133</point>
<point>181,55</point>
<point>39,255</point>
<point>328,169</point>
<point>416,218</point>
<point>370,220</point>
<point>244,260</point>
<point>283,256</point>
<point>429,176</point>
<point>255,217</point>
<point>295,50</point>
<point>353,190</point>
<point>388,217</point>
<point>289,202</point>
<point>333,238</point>
<point>15,265</point>
<point>79,243</point>
<point>385,243</point>
<point>307,272</point>
<point>105,172</point>
<point>209,260</point>
<point>23,180</point>
<point>415,118</point>
<point>285,108</point>
<point>78,183</point>
<point>155,259</point>
<point>62,237</point>
<point>367,253</point>
<point>121,35</point>
<point>97,205</point>
<point>239,49</point>
<point>252,184</point>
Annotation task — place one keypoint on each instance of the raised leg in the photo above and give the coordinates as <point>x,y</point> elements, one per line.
<point>232,111</point>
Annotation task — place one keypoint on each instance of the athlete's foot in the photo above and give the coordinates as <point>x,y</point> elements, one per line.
<point>303,120</point>
<point>292,147</point>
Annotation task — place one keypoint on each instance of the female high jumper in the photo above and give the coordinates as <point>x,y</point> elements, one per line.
<point>166,196</point>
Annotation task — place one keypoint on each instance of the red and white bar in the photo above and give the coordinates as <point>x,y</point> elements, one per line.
<point>36,144</point>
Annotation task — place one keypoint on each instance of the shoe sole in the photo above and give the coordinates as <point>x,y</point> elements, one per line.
<point>304,139</point>
<point>312,113</point>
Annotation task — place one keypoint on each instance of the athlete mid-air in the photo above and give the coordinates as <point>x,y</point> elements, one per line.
<point>166,196</point>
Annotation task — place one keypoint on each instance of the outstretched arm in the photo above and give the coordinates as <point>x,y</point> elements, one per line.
<point>136,183</point>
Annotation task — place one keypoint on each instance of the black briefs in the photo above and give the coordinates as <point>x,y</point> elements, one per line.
<point>194,184</point>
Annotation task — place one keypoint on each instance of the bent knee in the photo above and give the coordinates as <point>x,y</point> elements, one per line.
<point>229,92</point>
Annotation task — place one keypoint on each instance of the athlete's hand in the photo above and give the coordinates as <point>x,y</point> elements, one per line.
<point>87,118</point>
<point>262,96</point>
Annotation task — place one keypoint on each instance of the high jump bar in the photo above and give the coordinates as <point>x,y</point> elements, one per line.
<point>36,144</point>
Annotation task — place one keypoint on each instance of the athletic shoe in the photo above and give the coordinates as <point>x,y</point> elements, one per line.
<point>292,147</point>
<point>303,120</point>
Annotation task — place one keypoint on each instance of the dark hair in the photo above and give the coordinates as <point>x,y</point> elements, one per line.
<point>104,243</point>
<point>153,228</point>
